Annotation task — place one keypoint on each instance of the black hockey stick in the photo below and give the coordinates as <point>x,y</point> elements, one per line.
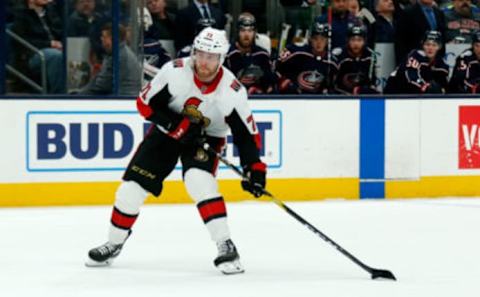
<point>374,273</point>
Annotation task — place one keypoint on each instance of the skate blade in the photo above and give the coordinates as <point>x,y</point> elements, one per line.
<point>93,263</point>
<point>233,267</point>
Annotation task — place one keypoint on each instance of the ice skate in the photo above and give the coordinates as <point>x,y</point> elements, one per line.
<point>103,255</point>
<point>228,259</point>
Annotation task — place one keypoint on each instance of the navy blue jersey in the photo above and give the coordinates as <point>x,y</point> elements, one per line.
<point>154,53</point>
<point>301,71</point>
<point>184,52</point>
<point>253,69</point>
<point>417,74</point>
<point>356,75</point>
<point>466,74</point>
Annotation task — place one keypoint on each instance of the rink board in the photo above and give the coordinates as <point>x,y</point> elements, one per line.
<point>71,152</point>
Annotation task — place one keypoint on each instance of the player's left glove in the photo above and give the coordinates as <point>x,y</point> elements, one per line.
<point>257,179</point>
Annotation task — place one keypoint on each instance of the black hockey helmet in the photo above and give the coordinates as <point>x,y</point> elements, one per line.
<point>434,36</point>
<point>476,37</point>
<point>203,23</point>
<point>319,28</point>
<point>357,30</point>
<point>246,20</point>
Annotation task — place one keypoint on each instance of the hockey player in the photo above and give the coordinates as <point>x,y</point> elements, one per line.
<point>189,99</point>
<point>356,65</point>
<point>307,69</point>
<point>423,71</point>
<point>466,74</point>
<point>249,62</point>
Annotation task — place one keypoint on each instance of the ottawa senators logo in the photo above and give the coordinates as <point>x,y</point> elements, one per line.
<point>201,155</point>
<point>191,111</point>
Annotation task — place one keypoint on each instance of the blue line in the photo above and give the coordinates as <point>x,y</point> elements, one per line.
<point>372,148</point>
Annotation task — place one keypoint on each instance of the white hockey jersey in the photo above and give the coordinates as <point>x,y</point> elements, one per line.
<point>223,102</point>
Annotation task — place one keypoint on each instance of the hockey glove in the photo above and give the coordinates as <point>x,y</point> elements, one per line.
<point>186,132</point>
<point>256,174</point>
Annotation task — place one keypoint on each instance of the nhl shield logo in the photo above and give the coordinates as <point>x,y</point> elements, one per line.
<point>201,155</point>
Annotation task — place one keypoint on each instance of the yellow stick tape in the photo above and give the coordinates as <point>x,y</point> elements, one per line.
<point>434,186</point>
<point>103,193</point>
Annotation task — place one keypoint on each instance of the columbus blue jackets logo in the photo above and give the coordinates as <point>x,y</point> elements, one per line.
<point>310,81</point>
<point>250,75</point>
<point>352,80</point>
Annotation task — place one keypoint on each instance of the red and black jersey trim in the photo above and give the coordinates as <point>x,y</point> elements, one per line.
<point>157,110</point>
<point>247,143</point>
<point>211,86</point>
<point>212,209</point>
<point>193,101</point>
<point>122,220</point>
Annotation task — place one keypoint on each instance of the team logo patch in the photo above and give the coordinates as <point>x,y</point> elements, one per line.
<point>191,111</point>
<point>201,155</point>
<point>178,63</point>
<point>310,81</point>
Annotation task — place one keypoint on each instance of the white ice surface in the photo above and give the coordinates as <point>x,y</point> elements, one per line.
<point>432,246</point>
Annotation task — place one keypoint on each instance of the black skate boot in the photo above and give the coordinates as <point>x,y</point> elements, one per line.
<point>228,259</point>
<point>103,255</point>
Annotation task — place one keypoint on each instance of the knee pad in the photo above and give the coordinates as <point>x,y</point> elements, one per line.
<point>200,184</point>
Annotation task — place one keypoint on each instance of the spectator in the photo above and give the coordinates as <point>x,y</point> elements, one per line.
<point>82,21</point>
<point>354,7</point>
<point>130,70</point>
<point>163,26</point>
<point>187,18</point>
<point>86,21</point>
<point>356,65</point>
<point>412,25</point>
<point>362,17</point>
<point>341,18</point>
<point>39,24</point>
<point>466,74</point>
<point>424,70</point>
<point>461,22</point>
<point>385,21</point>
<point>308,69</point>
<point>298,15</point>
<point>249,62</point>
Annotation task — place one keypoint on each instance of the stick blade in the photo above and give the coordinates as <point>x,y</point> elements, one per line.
<point>382,274</point>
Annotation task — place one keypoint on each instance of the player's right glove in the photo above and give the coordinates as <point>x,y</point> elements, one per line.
<point>187,132</point>
<point>256,174</point>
